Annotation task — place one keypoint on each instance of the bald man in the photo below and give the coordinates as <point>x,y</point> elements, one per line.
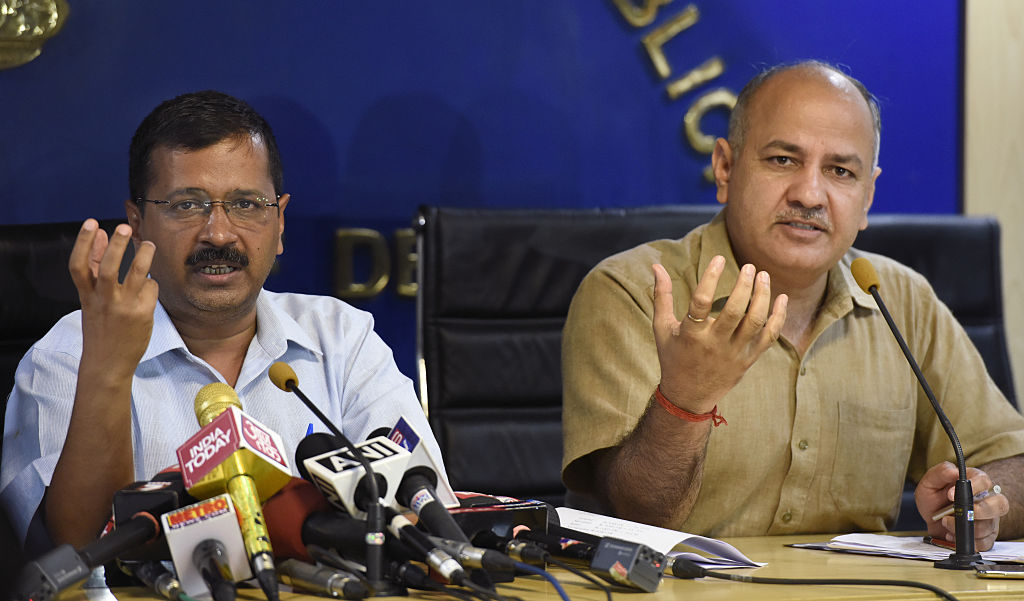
<point>738,382</point>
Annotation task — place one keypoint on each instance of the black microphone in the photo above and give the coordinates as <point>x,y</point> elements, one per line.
<point>418,489</point>
<point>321,580</point>
<point>622,562</point>
<point>135,508</point>
<point>210,558</point>
<point>283,376</point>
<point>63,567</point>
<point>299,516</point>
<point>966,556</point>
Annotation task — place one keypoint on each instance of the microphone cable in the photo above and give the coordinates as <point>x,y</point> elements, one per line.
<point>565,566</point>
<point>525,567</point>
<point>684,568</point>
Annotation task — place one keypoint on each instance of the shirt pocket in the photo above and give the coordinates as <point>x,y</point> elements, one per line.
<point>870,466</point>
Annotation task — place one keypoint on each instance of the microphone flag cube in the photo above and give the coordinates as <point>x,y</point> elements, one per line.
<point>229,444</point>
<point>337,473</point>
<point>405,436</point>
<point>214,518</point>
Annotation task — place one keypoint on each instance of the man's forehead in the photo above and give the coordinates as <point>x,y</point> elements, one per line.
<point>808,99</point>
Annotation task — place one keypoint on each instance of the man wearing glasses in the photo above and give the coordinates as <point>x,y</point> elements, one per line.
<point>106,397</point>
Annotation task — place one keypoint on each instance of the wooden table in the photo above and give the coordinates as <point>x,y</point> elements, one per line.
<point>783,562</point>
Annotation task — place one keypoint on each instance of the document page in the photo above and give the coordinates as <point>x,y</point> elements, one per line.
<point>663,540</point>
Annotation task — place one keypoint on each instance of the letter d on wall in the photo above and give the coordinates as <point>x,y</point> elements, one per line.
<point>350,242</point>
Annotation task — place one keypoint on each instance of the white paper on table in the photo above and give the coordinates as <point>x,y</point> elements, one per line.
<point>662,540</point>
<point>913,547</point>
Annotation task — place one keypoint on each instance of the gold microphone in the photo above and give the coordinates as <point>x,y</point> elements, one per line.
<point>247,478</point>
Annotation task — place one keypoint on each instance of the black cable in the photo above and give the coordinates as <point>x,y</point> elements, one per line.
<point>607,590</point>
<point>684,568</point>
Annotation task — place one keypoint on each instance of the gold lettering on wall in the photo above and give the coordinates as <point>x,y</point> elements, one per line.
<point>645,13</point>
<point>406,261</point>
<point>347,241</point>
<point>654,41</point>
<point>700,141</point>
<point>638,16</point>
<point>712,68</point>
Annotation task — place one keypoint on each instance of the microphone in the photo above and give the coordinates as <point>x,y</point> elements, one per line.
<point>236,454</point>
<point>155,576</point>
<point>966,556</point>
<point>418,488</point>
<point>63,567</point>
<point>135,508</point>
<point>162,493</point>
<point>299,516</point>
<point>622,562</point>
<point>210,559</point>
<point>344,480</point>
<point>283,376</point>
<point>207,548</point>
<point>321,580</point>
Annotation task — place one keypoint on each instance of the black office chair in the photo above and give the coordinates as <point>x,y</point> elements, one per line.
<point>37,292</point>
<point>495,287</point>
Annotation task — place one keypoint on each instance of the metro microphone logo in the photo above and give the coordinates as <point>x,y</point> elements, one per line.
<point>198,512</point>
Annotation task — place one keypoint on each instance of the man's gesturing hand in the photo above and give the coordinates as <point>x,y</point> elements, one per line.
<point>117,318</point>
<point>703,357</point>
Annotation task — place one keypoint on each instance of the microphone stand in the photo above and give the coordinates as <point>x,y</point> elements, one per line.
<point>966,556</point>
<point>380,587</point>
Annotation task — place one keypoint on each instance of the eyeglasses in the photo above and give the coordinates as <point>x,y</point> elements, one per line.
<point>243,211</point>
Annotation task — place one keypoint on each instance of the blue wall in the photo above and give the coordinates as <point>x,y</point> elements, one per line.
<point>385,105</point>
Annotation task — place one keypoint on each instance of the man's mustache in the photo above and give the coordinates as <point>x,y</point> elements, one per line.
<point>816,216</point>
<point>227,254</point>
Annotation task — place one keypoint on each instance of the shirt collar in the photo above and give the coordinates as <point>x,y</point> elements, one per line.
<point>274,330</point>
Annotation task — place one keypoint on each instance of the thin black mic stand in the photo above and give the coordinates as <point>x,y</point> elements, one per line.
<point>966,556</point>
<point>374,511</point>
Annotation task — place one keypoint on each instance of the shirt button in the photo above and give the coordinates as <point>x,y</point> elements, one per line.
<point>787,517</point>
<point>803,445</point>
<point>803,371</point>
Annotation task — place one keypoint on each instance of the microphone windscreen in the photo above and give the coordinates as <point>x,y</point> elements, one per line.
<point>865,274</point>
<point>312,445</point>
<point>281,374</point>
<point>213,399</point>
<point>287,511</point>
<point>382,431</point>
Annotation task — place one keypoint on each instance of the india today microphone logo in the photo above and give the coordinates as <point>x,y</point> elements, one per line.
<point>208,458</point>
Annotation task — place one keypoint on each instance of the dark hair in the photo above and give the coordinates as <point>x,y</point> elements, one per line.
<point>196,121</point>
<point>738,118</point>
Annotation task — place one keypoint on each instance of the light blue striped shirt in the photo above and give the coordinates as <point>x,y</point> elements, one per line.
<point>341,364</point>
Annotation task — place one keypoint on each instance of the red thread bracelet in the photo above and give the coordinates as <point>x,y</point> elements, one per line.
<point>713,415</point>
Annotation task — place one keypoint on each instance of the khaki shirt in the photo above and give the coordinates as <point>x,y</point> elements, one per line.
<point>821,443</point>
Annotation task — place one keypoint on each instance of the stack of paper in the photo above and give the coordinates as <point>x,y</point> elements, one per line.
<point>721,555</point>
<point>914,547</point>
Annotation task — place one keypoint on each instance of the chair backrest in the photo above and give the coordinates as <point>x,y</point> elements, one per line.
<point>495,287</point>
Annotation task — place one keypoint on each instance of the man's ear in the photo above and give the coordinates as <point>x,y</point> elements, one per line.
<point>870,199</point>
<point>134,213</point>
<point>721,165</point>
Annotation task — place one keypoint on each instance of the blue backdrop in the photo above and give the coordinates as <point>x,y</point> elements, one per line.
<point>382,106</point>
